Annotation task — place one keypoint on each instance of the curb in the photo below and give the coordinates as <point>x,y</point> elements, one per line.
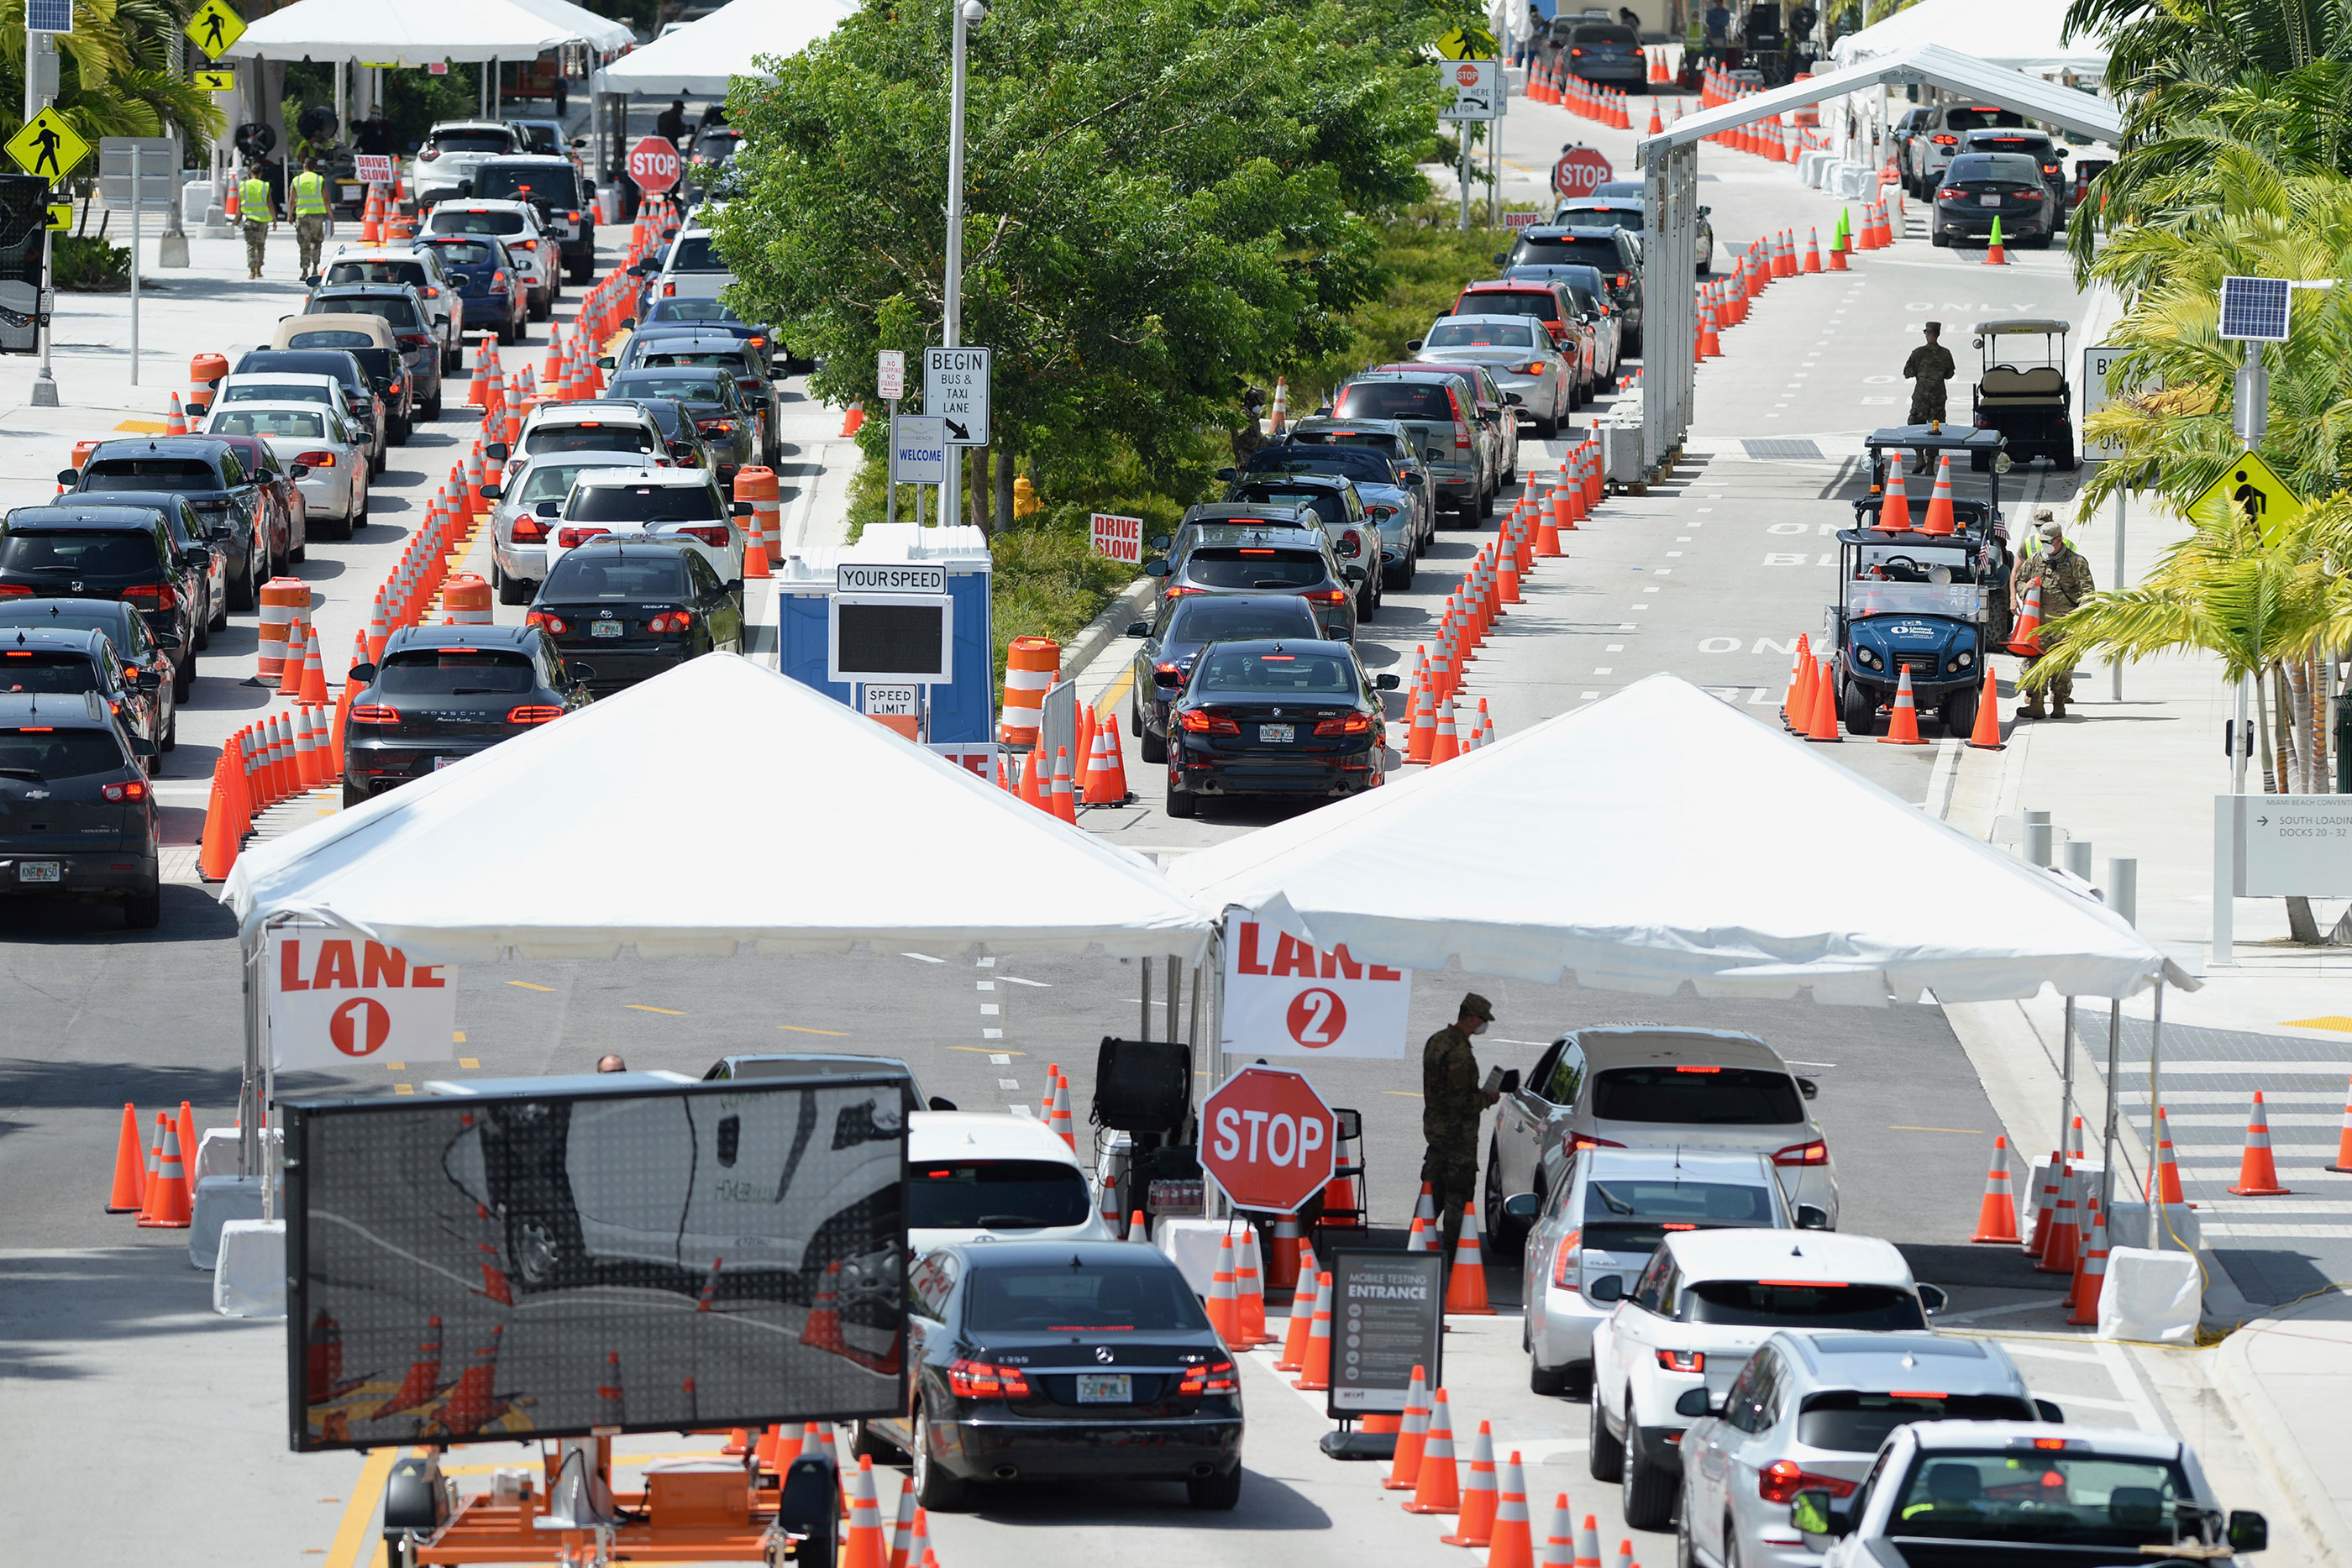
<point>1100,631</point>
<point>2264,1428</point>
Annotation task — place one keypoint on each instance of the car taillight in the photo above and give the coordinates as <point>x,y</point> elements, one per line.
<point>1576,53</point>
<point>1945,140</point>
<point>1816,1153</point>
<point>668,290</point>
<point>499,278</point>
<point>157,595</point>
<point>1568,1263</point>
<point>15,590</point>
<point>979,1380</point>
<point>1462,435</point>
<point>1783,1479</point>
<point>317,459</point>
<point>1328,596</point>
<point>1354,724</point>
<point>1949,193</point>
<point>2029,195</point>
<point>1351,543</point>
<point>432,293</point>
<point>412,339</point>
<point>374,713</point>
<point>1534,368</point>
<point>1586,1141</point>
<point>529,530</point>
<point>554,623</point>
<point>715,426</point>
<point>570,537</point>
<point>1216,1377</point>
<point>1622,277</point>
<point>712,534</point>
<point>1164,594</point>
<point>430,154</point>
<point>669,622</point>
<point>533,713</point>
<point>1683,1359</point>
<point>757,341</point>
<point>133,790</point>
<point>1201,721</point>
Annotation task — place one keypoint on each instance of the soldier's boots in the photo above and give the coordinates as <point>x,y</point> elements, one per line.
<point>2033,709</point>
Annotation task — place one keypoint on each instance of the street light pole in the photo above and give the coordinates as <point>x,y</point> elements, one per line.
<point>40,89</point>
<point>968,12</point>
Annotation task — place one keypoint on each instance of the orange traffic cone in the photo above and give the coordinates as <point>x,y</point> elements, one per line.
<point>175,422</point>
<point>289,681</point>
<point>165,1205</point>
<point>1476,1526</point>
<point>2167,1169</point>
<point>1315,1375</point>
<point>2343,1166</point>
<point>1939,501</point>
<point>1421,741</point>
<point>1986,736</point>
<point>1513,1545</point>
<point>1996,252</point>
<point>1302,1323</point>
<point>1117,756</point>
<point>1065,806</point>
<point>1797,710</point>
<point>423,1379</point>
<point>1822,721</point>
<point>187,1125</point>
<point>1448,745</point>
<point>1099,782</point>
<point>903,1538</point>
<point>1249,1295</point>
<point>2092,1280</point>
<point>1059,1119</point>
<point>1437,1487</point>
<point>822,1329</point>
<point>1903,728</point>
<point>1559,1538</point>
<point>2058,1257</point>
<point>2026,640</point>
<point>128,1196</point>
<point>1588,1544</point>
<point>1220,1303</point>
<point>1404,1461</point>
<point>1997,1214</point>
<point>1282,1256</point>
<point>1465,1284</point>
<point>1812,250</point>
<point>1895,511</point>
<point>2257,1176</point>
<point>865,1547</point>
<point>2045,1205</point>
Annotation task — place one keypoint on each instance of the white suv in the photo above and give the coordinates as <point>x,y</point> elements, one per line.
<point>982,1176</point>
<point>590,425</point>
<point>537,252</point>
<point>1707,1299</point>
<point>420,270</point>
<point>681,501</point>
<point>452,150</point>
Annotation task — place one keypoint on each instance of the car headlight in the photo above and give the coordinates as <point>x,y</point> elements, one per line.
<point>1866,658</point>
<point>1962,660</point>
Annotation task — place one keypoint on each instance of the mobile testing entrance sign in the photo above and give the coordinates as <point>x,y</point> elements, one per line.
<point>955,389</point>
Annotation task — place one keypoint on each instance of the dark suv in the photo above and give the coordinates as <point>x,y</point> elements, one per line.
<point>1615,253</point>
<point>145,655</point>
<point>1224,558</point>
<point>188,531</point>
<point>59,661</point>
<point>229,501</point>
<point>77,815</point>
<point>708,397</point>
<point>443,692</point>
<point>566,202</point>
<point>68,551</point>
<point>412,328</point>
<point>374,381</point>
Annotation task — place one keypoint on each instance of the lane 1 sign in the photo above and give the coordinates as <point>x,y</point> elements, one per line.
<point>337,1000</point>
<point>1116,538</point>
<point>1267,1139</point>
<point>955,389</point>
<point>1284,998</point>
<point>653,165</point>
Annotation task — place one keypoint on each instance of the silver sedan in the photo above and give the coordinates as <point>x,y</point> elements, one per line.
<point>523,510</point>
<point>326,456</point>
<point>1519,353</point>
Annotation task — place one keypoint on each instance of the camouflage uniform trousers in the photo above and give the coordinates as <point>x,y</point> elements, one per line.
<point>1452,1174</point>
<point>310,239</point>
<point>256,241</point>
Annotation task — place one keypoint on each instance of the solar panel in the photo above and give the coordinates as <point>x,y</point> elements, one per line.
<point>48,15</point>
<point>2254,309</point>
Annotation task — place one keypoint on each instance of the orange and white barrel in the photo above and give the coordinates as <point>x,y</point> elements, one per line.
<point>283,600</point>
<point>1030,665</point>
<point>758,486</point>
<point>205,374</point>
<point>466,601</point>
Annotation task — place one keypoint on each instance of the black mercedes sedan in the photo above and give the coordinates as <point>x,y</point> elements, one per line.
<point>444,692</point>
<point>1276,717</point>
<point>635,605</point>
<point>1063,1361</point>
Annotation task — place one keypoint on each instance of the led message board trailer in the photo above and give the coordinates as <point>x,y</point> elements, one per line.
<point>563,1259</point>
<point>892,637</point>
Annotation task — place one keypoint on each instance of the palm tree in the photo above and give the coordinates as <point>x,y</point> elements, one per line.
<point>116,73</point>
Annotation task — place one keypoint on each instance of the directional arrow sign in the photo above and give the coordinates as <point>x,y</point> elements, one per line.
<point>213,81</point>
<point>955,390</point>
<point>214,28</point>
<point>47,147</point>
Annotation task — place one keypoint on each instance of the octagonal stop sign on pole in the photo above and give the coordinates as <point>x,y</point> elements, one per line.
<point>1267,1139</point>
<point>653,165</point>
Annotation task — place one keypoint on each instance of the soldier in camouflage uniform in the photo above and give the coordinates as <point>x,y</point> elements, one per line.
<point>1451,1103</point>
<point>2065,580</point>
<point>1929,368</point>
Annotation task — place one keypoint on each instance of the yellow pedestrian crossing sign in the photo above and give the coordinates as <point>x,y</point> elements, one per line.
<point>214,81</point>
<point>2254,485</point>
<point>214,28</point>
<point>47,147</point>
<point>1468,44</point>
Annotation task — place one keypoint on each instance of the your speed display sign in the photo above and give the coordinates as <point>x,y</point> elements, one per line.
<point>653,165</point>
<point>1267,1139</point>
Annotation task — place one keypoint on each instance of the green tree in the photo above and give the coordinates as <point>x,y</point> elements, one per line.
<point>115,75</point>
<point>1164,200</point>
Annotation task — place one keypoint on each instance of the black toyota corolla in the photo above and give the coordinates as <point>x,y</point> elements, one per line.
<point>1064,1360</point>
<point>1276,717</point>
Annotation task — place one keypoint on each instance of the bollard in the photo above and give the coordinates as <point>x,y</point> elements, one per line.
<point>2038,838</point>
<point>2123,886</point>
<point>2078,857</point>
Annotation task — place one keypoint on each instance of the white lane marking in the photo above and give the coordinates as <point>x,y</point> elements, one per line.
<point>2036,1304</point>
<point>922,957</point>
<point>984,963</point>
<point>991,1034</point>
<point>1017,980</point>
<point>1008,1084</point>
<point>998,1058</point>
<point>2144,1414</point>
<point>989,1009</point>
<point>2045,1350</point>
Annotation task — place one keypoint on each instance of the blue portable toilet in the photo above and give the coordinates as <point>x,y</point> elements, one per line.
<point>962,712</point>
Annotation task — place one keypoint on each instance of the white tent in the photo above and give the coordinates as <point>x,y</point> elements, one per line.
<point>2023,35</point>
<point>404,32</point>
<point>703,57</point>
<point>600,33</point>
<point>716,808</point>
<point>1661,836</point>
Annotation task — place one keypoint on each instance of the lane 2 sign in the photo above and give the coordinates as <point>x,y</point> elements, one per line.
<point>1287,997</point>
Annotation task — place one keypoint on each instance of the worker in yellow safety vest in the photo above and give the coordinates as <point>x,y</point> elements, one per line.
<point>255,211</point>
<point>312,216</point>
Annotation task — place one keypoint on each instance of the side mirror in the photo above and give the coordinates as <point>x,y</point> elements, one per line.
<point>465,187</point>
<point>582,141</point>
<point>313,279</point>
<point>1695,1402</point>
<point>1156,569</point>
<point>548,508</point>
<point>1412,345</point>
<point>2249,1530</point>
<point>297,470</point>
<point>1353,573</point>
<point>681,450</point>
<point>1933,1297</point>
<point>1608,1287</point>
<point>1523,1205</point>
<point>581,672</point>
<point>1515,399</point>
<point>1816,1519</point>
<point>1158,541</point>
<point>1809,1089</point>
<point>2050,1412</point>
<point>196,555</point>
<point>941,1103</point>
<point>1812,1216</point>
<point>142,746</point>
<point>167,640</point>
<point>69,477</point>
<point>363,674</point>
<point>742,508</point>
<point>1509,1083</point>
<point>1138,629</point>
<point>496,449</point>
<point>605,363</point>
<point>1704,210</point>
<point>1386,682</point>
<point>1227,475</point>
<point>1416,481</point>
<point>628,323</point>
<point>147,680</point>
<point>493,492</point>
<point>1501,257</point>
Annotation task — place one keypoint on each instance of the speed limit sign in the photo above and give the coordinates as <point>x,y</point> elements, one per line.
<point>1285,997</point>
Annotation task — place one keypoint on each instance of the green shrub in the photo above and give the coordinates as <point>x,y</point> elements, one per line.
<point>89,264</point>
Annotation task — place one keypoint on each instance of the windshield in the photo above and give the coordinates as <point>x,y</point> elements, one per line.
<point>702,387</point>
<point>117,552</point>
<point>1396,400</point>
<point>550,185</point>
<point>696,253</point>
<point>993,1195</point>
<point>39,755</point>
<point>1697,1096</point>
<point>1622,1204</point>
<point>1621,218</point>
<point>2036,1495</point>
<point>1961,600</point>
<point>1486,335</point>
<point>1230,567</point>
<point>48,670</point>
<point>629,579</point>
<point>298,422</point>
<point>1981,118</point>
<point>455,673</point>
<point>1322,503</point>
<point>1077,1297</point>
<point>645,504</point>
<point>588,438</point>
<point>1595,33</point>
<point>447,141</point>
<point>1308,670</point>
<point>1790,1304</point>
<point>1555,250</point>
<point>278,391</point>
<point>446,222</point>
<point>553,481</point>
<point>1238,619</point>
<point>729,360</point>
<point>396,310</point>
<point>151,474</point>
<point>338,368</point>
<point>342,272</point>
<point>1378,440</point>
<point>1355,463</point>
<point>99,614</point>
<point>1540,303</point>
<point>335,338</point>
<point>686,308</point>
<point>1854,1423</point>
<point>465,252</point>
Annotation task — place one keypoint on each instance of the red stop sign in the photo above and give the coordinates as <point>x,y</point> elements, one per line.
<point>1266,1137</point>
<point>653,165</point>
<point>1580,171</point>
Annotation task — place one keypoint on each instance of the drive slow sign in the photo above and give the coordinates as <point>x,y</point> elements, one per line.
<point>338,1001</point>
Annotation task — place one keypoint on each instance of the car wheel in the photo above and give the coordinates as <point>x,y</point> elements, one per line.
<point>433,409</point>
<point>515,589</point>
<point>1217,1492</point>
<point>201,629</point>
<point>402,429</point>
<point>1959,712</point>
<point>353,796</point>
<point>1486,506</point>
<point>184,680</point>
<point>1546,429</point>
<point>1604,1456</point>
<point>2068,461</point>
<point>935,1489</point>
<point>301,551</point>
<point>511,333</point>
<point>540,309</point>
<point>1938,239</point>
<point>451,361</point>
<point>1367,600</point>
<point>172,729</point>
<point>1858,709</point>
<point>1152,747</point>
<point>1546,1379</point>
<point>242,589</point>
<point>1181,802</point>
<point>1646,1492</point>
<point>143,911</point>
<point>358,519</point>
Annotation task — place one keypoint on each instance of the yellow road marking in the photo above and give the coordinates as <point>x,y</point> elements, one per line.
<point>1971,1132</point>
<point>457,1037</point>
<point>2333,1020</point>
<point>992,1051</point>
<point>527,986</point>
<point>1402,1094</point>
<point>802,1028</point>
<point>394,1066</point>
<point>469,1061</point>
<point>403,1089</point>
<point>1115,690</point>
<point>352,1534</point>
<point>144,426</point>
<point>640,1007</point>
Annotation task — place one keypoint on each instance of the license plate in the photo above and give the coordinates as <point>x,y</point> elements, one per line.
<point>441,762</point>
<point>1988,200</point>
<point>1106,1389</point>
<point>1276,734</point>
<point>605,629</point>
<point>40,871</point>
